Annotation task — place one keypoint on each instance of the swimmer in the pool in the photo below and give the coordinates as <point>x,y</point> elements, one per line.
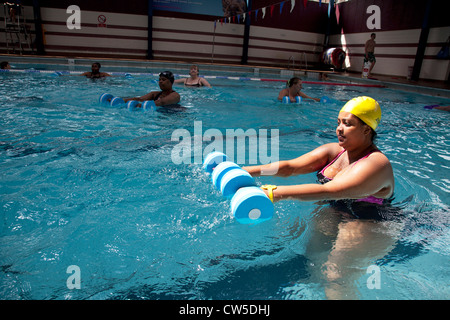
<point>95,72</point>
<point>353,168</point>
<point>167,96</point>
<point>294,87</point>
<point>4,65</point>
<point>194,80</point>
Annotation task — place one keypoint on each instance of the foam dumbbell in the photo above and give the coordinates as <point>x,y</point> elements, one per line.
<point>287,100</point>
<point>132,105</point>
<point>149,105</point>
<point>105,99</point>
<point>213,159</point>
<point>116,101</point>
<point>233,180</point>
<point>249,204</point>
<point>220,170</point>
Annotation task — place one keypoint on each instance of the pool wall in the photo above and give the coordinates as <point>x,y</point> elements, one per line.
<point>282,36</point>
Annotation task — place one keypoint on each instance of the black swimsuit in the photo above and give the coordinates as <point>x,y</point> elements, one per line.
<point>95,76</point>
<point>367,208</point>
<point>157,96</point>
<point>198,84</point>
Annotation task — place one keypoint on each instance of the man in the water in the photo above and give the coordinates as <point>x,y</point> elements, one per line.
<point>95,73</point>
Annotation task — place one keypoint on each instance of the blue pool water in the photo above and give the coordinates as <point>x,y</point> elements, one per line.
<point>97,187</point>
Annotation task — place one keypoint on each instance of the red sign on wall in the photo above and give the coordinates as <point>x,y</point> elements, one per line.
<point>101,21</point>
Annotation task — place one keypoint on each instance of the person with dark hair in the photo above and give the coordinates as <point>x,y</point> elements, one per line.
<point>4,65</point>
<point>167,96</point>
<point>294,87</point>
<point>95,72</point>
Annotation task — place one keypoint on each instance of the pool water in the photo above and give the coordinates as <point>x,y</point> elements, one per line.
<point>96,187</point>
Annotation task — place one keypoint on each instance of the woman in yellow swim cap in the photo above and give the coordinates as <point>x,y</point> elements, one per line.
<point>352,168</point>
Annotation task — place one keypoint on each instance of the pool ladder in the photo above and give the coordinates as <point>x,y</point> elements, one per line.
<point>291,58</point>
<point>293,62</point>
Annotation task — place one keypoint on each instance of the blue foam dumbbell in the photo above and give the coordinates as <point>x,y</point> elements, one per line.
<point>287,100</point>
<point>132,105</point>
<point>116,101</point>
<point>249,204</point>
<point>149,105</point>
<point>233,180</point>
<point>220,170</point>
<point>213,159</point>
<point>105,99</point>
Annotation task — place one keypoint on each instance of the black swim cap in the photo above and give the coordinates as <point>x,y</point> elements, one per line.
<point>168,75</point>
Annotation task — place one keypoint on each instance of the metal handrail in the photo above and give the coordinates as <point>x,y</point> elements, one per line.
<point>293,62</point>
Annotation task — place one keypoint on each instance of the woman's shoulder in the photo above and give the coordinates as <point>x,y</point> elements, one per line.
<point>327,152</point>
<point>378,156</point>
<point>332,148</point>
<point>375,162</point>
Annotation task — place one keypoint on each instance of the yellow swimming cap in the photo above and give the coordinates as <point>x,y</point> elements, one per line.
<point>365,108</point>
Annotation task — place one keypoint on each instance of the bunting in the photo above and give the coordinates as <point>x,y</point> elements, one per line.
<point>338,14</point>
<point>248,15</point>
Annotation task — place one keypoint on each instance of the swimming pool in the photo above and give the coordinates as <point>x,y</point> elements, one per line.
<point>96,187</point>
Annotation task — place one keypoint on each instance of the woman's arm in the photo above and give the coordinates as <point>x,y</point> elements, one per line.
<point>180,80</point>
<point>148,96</point>
<point>204,82</point>
<point>307,163</point>
<point>283,93</point>
<point>304,95</point>
<point>171,98</point>
<point>369,177</point>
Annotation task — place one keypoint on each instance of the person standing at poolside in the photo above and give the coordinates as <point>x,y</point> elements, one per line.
<point>95,72</point>
<point>294,87</point>
<point>369,53</point>
<point>167,96</point>
<point>194,80</point>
